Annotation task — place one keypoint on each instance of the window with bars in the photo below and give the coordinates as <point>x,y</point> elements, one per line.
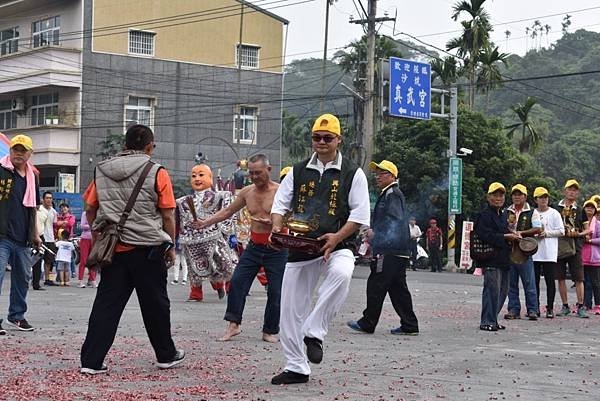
<point>245,125</point>
<point>9,41</point>
<point>139,110</point>
<point>248,54</point>
<point>141,42</point>
<point>8,118</point>
<point>46,32</point>
<point>44,107</point>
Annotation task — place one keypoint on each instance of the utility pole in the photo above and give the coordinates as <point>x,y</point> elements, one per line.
<point>451,266</point>
<point>238,120</point>
<point>369,102</point>
<point>324,64</point>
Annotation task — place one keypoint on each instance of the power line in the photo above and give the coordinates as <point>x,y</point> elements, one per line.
<point>510,78</point>
<point>514,21</point>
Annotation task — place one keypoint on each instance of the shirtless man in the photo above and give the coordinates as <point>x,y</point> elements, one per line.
<point>258,198</point>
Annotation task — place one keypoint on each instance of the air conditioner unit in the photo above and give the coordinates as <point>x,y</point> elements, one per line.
<point>18,104</point>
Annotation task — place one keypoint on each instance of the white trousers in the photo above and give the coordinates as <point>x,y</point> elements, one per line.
<point>180,260</point>
<point>297,319</point>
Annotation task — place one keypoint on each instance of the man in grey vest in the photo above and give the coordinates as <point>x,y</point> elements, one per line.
<point>332,189</point>
<point>142,256</point>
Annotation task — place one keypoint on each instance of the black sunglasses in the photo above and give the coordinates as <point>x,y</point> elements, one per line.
<point>325,138</point>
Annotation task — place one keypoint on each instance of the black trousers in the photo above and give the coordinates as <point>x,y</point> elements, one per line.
<point>435,258</point>
<point>548,268</point>
<point>413,253</point>
<point>36,273</point>
<point>130,270</point>
<point>391,280</point>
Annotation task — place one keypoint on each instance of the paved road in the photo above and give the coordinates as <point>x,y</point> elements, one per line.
<point>451,359</point>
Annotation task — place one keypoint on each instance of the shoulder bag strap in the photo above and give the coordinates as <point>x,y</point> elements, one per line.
<point>134,195</point>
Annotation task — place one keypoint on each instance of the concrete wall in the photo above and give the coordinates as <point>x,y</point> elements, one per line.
<point>194,110</point>
<point>209,36</point>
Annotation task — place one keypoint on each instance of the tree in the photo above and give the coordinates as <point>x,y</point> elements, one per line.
<point>418,148</point>
<point>111,145</point>
<point>489,71</point>
<point>295,138</point>
<point>475,37</point>
<point>353,60</point>
<point>444,71</point>
<point>531,138</point>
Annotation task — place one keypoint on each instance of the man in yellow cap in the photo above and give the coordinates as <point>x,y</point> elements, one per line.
<point>573,218</point>
<point>18,229</point>
<point>491,227</point>
<point>390,241</point>
<point>331,189</point>
<point>525,221</point>
<point>544,260</point>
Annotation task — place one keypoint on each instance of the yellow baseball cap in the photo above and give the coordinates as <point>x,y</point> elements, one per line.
<point>284,171</point>
<point>385,165</point>
<point>571,183</point>
<point>496,186</point>
<point>596,198</point>
<point>540,191</point>
<point>328,123</point>
<point>22,140</point>
<point>590,202</point>
<point>519,187</point>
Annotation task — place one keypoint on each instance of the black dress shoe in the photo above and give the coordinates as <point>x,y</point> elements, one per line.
<point>314,349</point>
<point>39,289</point>
<point>289,377</point>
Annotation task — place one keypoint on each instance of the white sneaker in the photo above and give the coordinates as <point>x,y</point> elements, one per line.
<point>177,359</point>
<point>81,284</point>
<point>174,282</point>
<point>184,282</point>
<point>90,371</point>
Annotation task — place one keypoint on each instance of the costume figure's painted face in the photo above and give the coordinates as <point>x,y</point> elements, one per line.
<point>201,177</point>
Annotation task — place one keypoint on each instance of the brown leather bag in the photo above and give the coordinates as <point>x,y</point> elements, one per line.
<point>107,234</point>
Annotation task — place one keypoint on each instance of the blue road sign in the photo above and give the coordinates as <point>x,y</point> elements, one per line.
<point>410,89</point>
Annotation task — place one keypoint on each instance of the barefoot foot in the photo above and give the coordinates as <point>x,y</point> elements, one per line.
<point>232,330</point>
<point>270,338</point>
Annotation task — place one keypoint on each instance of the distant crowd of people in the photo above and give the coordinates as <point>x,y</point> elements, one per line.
<point>523,242</point>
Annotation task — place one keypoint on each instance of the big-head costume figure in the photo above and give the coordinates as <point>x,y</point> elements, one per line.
<point>206,250</point>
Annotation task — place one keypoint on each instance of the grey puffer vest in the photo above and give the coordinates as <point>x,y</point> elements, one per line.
<point>115,179</point>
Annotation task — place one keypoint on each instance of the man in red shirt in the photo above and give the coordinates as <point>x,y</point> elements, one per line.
<point>435,242</point>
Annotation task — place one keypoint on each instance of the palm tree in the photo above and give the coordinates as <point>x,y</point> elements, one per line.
<point>531,138</point>
<point>354,59</point>
<point>444,70</point>
<point>294,138</point>
<point>489,71</point>
<point>475,36</point>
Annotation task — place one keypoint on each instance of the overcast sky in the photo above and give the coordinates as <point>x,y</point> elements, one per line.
<point>430,21</point>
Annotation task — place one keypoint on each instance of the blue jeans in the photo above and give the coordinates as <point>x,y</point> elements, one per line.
<point>19,257</point>
<point>495,288</point>
<point>252,259</point>
<point>526,272</point>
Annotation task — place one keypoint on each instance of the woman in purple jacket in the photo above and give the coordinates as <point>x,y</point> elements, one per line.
<point>590,254</point>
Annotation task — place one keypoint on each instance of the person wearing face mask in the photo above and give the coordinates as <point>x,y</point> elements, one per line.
<point>205,249</point>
